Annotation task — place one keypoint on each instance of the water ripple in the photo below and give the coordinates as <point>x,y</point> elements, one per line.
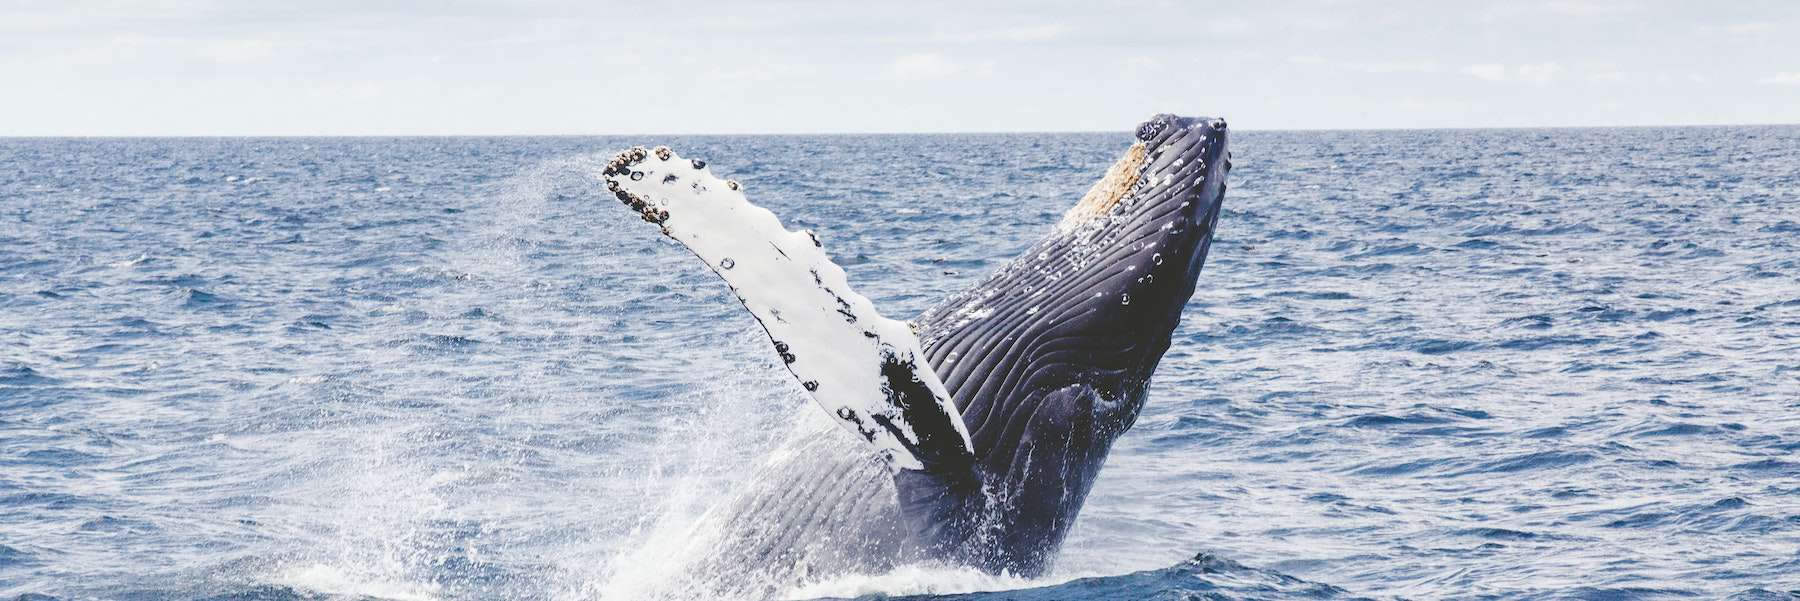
<point>1519,364</point>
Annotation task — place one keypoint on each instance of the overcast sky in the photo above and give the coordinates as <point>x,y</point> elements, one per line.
<point>307,67</point>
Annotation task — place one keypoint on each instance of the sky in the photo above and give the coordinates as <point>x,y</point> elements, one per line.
<point>487,67</point>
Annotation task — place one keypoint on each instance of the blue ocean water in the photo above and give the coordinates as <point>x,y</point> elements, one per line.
<point>1421,364</point>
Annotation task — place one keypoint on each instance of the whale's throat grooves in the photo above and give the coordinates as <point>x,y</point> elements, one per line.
<point>1048,359</point>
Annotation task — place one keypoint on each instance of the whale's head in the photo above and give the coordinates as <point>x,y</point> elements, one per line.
<point>1124,260</point>
<point>1050,357</point>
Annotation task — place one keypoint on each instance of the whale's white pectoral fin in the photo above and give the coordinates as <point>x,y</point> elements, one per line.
<point>866,370</point>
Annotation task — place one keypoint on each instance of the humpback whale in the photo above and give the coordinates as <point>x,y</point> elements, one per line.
<point>973,432</point>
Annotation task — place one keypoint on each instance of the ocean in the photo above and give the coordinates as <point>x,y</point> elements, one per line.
<point>1509,364</point>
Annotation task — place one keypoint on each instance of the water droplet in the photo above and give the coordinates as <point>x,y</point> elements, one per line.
<point>1156,258</point>
<point>727,263</point>
<point>810,385</point>
<point>1043,256</point>
<point>1125,299</point>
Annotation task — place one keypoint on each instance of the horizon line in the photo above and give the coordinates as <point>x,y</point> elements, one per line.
<point>862,133</point>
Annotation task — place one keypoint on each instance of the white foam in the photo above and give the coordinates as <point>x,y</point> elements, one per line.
<point>915,579</point>
<point>337,581</point>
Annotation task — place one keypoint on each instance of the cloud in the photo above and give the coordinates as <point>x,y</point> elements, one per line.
<point>1534,74</point>
<point>217,66</point>
<point>758,72</point>
<point>1031,33</point>
<point>1146,63</point>
<point>1406,66</point>
<point>1610,77</point>
<point>1780,79</point>
<point>1228,26</point>
<point>1751,28</point>
<point>1538,74</point>
<point>1487,72</point>
<point>928,65</point>
<point>1561,8</point>
<point>1311,22</point>
<point>923,64</point>
<point>1592,8</point>
<point>1608,73</point>
<point>1392,66</point>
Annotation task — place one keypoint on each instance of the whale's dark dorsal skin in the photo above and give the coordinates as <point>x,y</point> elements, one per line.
<point>1056,366</point>
<point>991,426</point>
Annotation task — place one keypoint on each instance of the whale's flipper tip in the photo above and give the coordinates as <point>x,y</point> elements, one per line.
<point>866,370</point>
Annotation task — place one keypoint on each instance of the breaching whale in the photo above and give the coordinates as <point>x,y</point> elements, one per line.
<point>977,428</point>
